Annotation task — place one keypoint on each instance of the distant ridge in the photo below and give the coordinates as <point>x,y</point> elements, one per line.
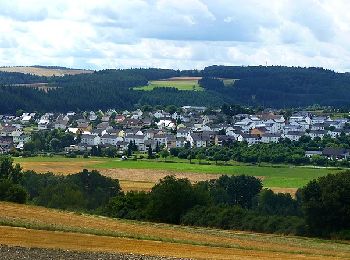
<point>46,71</point>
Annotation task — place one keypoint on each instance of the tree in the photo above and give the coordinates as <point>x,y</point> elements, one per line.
<point>8,171</point>
<point>164,154</point>
<point>201,156</point>
<point>130,148</point>
<point>235,190</point>
<point>171,198</point>
<point>12,192</point>
<point>326,203</point>
<point>150,152</point>
<point>157,150</point>
<point>268,202</point>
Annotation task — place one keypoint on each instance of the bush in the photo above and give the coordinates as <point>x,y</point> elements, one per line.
<point>236,218</point>
<point>132,205</point>
<point>12,192</point>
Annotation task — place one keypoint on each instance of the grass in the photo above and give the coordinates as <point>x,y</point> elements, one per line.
<point>31,226</point>
<point>273,176</point>
<point>229,82</point>
<point>283,176</point>
<point>178,84</point>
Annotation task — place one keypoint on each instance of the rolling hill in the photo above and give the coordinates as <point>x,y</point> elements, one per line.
<point>276,87</point>
<point>45,71</point>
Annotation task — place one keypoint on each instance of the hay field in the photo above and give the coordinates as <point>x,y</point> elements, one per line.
<point>142,175</point>
<point>31,226</point>
<point>42,71</point>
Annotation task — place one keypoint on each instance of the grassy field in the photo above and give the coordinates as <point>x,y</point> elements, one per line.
<point>30,226</point>
<point>181,84</point>
<point>143,174</point>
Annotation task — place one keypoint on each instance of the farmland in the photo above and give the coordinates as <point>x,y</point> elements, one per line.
<point>180,83</point>
<point>30,226</point>
<point>143,174</point>
<point>44,71</point>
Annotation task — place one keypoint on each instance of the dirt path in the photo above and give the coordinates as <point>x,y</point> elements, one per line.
<point>19,253</point>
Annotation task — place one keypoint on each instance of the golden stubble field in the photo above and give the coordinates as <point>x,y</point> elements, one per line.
<point>129,179</point>
<point>47,228</point>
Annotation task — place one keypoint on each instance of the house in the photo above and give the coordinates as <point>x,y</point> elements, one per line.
<point>334,133</point>
<point>310,154</point>
<point>138,140</point>
<point>198,139</point>
<point>317,127</point>
<point>318,119</point>
<point>222,140</point>
<point>293,135</point>
<point>270,138</point>
<point>181,141</point>
<point>43,124</point>
<point>183,132</point>
<point>171,141</point>
<point>249,138</point>
<point>259,130</point>
<point>119,119</point>
<point>317,133</point>
<point>6,144</point>
<point>335,153</point>
<point>161,139</point>
<point>61,122</point>
<point>90,139</point>
<point>23,138</point>
<point>108,139</point>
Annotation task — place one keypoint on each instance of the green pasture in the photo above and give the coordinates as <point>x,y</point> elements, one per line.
<point>178,84</point>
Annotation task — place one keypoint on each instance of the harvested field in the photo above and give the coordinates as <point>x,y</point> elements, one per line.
<point>181,78</point>
<point>130,179</point>
<point>57,229</point>
<point>42,71</point>
<point>66,167</point>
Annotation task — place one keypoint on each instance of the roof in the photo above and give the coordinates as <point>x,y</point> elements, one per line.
<point>334,151</point>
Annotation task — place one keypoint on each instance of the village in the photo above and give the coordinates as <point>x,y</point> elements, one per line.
<point>188,126</point>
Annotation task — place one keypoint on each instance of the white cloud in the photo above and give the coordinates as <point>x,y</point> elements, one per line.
<point>178,34</point>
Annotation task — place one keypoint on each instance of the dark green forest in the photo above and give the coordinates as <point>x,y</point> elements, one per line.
<point>276,86</point>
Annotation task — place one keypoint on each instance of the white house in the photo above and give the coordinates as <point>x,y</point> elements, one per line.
<point>89,139</point>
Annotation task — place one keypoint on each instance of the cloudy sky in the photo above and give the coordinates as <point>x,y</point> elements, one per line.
<point>182,34</point>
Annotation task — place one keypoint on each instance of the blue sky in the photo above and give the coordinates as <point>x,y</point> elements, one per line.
<point>178,34</point>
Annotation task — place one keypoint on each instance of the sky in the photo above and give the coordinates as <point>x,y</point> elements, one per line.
<point>178,34</point>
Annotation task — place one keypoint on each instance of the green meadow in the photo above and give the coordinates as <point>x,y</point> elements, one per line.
<point>178,84</point>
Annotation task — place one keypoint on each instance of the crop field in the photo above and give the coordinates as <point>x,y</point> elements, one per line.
<point>31,226</point>
<point>41,71</point>
<point>143,174</point>
<point>180,83</point>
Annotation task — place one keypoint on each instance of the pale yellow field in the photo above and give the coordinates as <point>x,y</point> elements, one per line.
<point>48,228</point>
<point>47,72</point>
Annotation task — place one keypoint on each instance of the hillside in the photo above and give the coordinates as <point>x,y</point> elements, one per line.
<point>44,71</point>
<point>277,87</point>
<point>30,226</point>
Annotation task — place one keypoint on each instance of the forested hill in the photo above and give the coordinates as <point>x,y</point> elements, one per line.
<point>267,86</point>
<point>283,86</point>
